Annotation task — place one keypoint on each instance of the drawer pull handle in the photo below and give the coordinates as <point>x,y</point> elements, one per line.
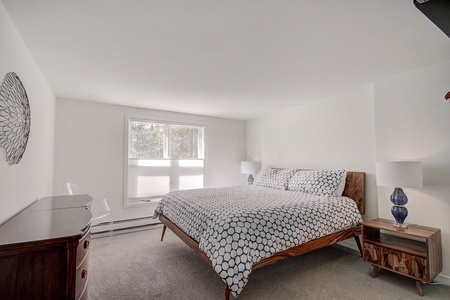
<point>84,274</point>
<point>86,244</point>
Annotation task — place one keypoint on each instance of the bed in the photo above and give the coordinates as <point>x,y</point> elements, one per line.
<point>286,213</point>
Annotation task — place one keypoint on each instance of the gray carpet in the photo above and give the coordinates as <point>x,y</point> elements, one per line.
<point>138,266</point>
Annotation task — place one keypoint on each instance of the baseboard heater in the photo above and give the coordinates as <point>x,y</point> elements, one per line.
<point>122,225</point>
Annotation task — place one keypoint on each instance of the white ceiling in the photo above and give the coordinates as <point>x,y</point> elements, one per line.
<point>236,59</point>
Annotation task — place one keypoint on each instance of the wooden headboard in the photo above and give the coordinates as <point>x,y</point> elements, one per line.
<point>355,188</point>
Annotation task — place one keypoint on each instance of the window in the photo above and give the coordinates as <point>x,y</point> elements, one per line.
<point>147,140</point>
<point>162,157</point>
<point>150,140</point>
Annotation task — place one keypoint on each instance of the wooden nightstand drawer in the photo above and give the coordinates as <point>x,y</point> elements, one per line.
<point>409,265</point>
<point>397,261</point>
<point>372,254</point>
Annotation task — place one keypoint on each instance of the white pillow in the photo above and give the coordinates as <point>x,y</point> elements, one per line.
<point>319,182</point>
<point>274,178</point>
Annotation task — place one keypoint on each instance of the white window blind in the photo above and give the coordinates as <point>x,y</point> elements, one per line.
<point>162,157</point>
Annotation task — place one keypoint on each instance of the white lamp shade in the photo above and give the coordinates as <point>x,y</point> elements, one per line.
<point>249,167</point>
<point>402,174</point>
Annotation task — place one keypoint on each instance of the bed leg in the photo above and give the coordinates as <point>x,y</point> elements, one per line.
<point>358,243</point>
<point>227,292</point>
<point>163,232</point>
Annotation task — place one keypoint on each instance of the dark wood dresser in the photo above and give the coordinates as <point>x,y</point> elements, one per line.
<point>44,250</point>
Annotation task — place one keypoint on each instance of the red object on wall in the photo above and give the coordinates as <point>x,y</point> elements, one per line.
<point>447,96</point>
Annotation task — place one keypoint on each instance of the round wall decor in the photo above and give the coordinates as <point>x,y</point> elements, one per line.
<point>15,120</point>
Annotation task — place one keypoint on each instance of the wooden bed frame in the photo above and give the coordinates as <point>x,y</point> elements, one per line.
<point>354,189</point>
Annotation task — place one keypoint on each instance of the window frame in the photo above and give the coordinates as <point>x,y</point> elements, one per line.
<point>129,118</point>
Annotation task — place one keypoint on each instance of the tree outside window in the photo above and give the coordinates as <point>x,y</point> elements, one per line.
<point>149,140</point>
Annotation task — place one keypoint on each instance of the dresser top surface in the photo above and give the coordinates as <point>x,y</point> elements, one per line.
<point>47,220</point>
<point>61,202</point>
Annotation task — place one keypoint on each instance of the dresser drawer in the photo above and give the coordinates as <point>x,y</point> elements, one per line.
<point>84,296</point>
<point>83,247</point>
<point>81,282</point>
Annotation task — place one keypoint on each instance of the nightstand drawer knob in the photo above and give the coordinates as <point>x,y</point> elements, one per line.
<point>86,244</point>
<point>84,274</point>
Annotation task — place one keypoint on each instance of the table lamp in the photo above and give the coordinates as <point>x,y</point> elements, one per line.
<point>250,168</point>
<point>399,174</point>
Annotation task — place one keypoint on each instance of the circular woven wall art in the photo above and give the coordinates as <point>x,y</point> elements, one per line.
<point>15,118</point>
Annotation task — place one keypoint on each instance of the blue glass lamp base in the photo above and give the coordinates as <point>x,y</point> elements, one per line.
<point>398,225</point>
<point>399,211</point>
<point>250,179</point>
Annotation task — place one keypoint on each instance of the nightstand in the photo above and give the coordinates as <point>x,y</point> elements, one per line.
<point>415,252</point>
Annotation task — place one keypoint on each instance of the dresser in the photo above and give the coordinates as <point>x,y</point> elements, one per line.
<point>44,250</point>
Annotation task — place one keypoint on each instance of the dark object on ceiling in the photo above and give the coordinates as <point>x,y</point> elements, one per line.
<point>14,118</point>
<point>438,11</point>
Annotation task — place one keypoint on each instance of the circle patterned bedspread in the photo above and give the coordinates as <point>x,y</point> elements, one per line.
<point>239,226</point>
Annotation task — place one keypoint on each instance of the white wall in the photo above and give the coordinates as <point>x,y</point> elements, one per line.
<point>89,150</point>
<point>32,178</point>
<point>404,117</point>
<point>412,122</point>
<point>336,133</point>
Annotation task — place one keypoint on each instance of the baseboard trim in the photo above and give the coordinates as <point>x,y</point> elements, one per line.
<point>119,225</point>
<point>442,279</point>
